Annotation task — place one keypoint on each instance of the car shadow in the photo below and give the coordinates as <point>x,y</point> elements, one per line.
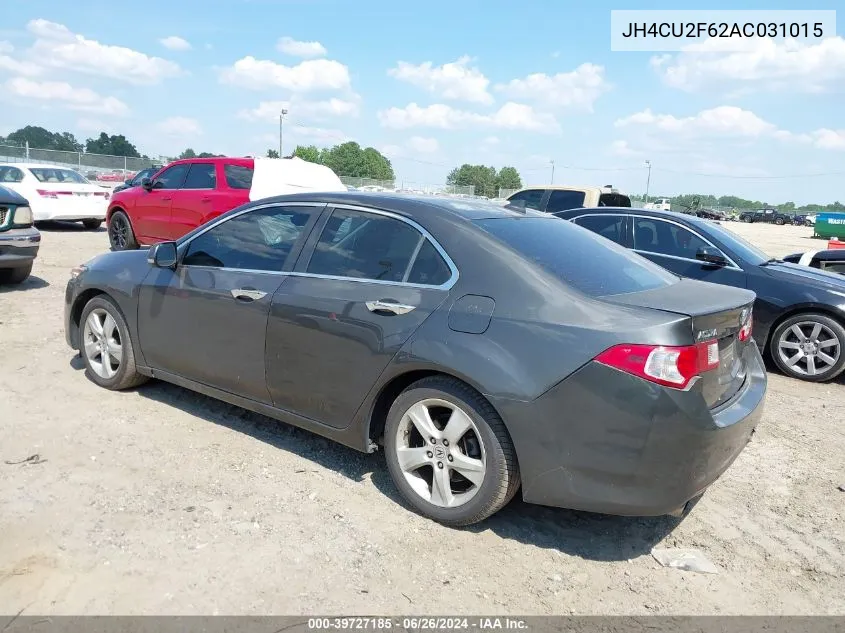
<point>32,282</point>
<point>58,226</point>
<point>586,535</point>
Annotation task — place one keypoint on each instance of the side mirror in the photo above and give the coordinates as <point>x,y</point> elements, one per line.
<point>147,184</point>
<point>712,256</point>
<point>162,255</point>
<point>127,182</point>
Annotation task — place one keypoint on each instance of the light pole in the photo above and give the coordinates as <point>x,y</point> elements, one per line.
<point>553,171</point>
<point>648,179</point>
<point>281,130</point>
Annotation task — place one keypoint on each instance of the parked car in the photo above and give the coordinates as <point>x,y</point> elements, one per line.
<point>468,339</point>
<point>187,193</point>
<point>831,259</point>
<point>19,239</point>
<point>135,181</point>
<point>56,193</point>
<point>799,314</point>
<point>552,198</point>
<point>662,204</point>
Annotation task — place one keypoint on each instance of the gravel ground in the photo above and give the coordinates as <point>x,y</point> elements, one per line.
<point>162,501</point>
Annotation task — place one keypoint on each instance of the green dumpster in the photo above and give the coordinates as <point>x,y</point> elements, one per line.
<point>830,225</point>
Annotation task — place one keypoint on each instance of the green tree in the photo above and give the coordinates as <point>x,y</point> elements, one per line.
<point>482,178</point>
<point>348,159</point>
<point>115,145</point>
<point>311,153</point>
<point>208,155</point>
<point>188,153</point>
<point>271,153</point>
<point>41,138</point>
<point>508,178</point>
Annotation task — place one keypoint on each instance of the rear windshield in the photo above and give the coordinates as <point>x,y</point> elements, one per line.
<point>615,200</point>
<point>51,174</point>
<point>586,261</point>
<point>238,177</point>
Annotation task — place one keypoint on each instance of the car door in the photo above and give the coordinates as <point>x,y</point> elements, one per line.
<point>192,202</point>
<point>206,320</point>
<point>365,282</point>
<point>674,247</point>
<point>151,217</point>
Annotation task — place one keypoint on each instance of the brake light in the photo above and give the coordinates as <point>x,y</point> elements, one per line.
<point>745,331</point>
<point>668,366</point>
<point>52,194</point>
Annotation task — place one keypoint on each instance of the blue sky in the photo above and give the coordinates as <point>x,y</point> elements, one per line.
<point>435,85</point>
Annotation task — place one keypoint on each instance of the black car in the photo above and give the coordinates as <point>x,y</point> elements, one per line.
<point>799,312</point>
<point>831,259</point>
<point>458,334</point>
<point>19,239</point>
<point>135,181</point>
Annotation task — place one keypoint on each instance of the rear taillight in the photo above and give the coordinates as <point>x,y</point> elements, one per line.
<point>668,366</point>
<point>745,331</point>
<point>53,194</point>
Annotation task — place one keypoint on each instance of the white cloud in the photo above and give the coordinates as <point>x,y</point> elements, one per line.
<point>514,116</point>
<point>6,47</point>
<point>622,148</point>
<point>423,145</point>
<point>304,110</point>
<point>829,139</point>
<point>763,64</point>
<point>19,66</point>
<point>455,81</point>
<point>319,135</point>
<point>293,47</point>
<point>491,140</point>
<point>178,126</point>
<point>315,74</point>
<point>577,89</point>
<point>63,94</point>
<point>175,43</point>
<point>56,46</point>
<point>721,121</point>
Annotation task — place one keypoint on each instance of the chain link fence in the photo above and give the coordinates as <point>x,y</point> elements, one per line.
<point>402,186</point>
<point>93,166</point>
<point>504,193</point>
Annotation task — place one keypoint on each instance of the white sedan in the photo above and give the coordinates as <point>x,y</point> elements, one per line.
<point>57,193</point>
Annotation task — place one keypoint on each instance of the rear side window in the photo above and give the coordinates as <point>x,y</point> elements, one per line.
<point>578,257</point>
<point>429,267</point>
<point>561,200</point>
<point>238,177</point>
<point>608,226</point>
<point>10,174</point>
<point>531,197</point>
<point>200,176</point>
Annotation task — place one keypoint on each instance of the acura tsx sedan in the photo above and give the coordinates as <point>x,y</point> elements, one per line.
<point>486,349</point>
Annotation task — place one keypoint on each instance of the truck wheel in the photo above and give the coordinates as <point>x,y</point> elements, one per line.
<point>121,235</point>
<point>779,221</point>
<point>14,276</point>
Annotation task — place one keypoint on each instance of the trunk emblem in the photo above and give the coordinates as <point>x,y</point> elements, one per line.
<point>704,335</point>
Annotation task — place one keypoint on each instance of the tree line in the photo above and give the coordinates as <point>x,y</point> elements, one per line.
<point>486,180</point>
<point>741,204</point>
<point>346,159</point>
<point>41,138</point>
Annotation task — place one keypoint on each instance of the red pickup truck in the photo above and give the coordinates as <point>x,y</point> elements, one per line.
<point>187,193</point>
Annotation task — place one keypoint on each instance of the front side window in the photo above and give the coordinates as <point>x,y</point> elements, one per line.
<point>532,198</point>
<point>665,238</point>
<point>365,246</point>
<point>200,176</point>
<point>588,263</point>
<point>257,240</point>
<point>606,225</point>
<point>172,177</point>
<point>563,199</point>
<point>238,177</point>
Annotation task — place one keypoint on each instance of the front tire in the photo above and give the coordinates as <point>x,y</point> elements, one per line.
<point>449,453</point>
<point>106,346</point>
<point>121,235</point>
<point>779,221</point>
<point>15,276</point>
<point>809,346</point>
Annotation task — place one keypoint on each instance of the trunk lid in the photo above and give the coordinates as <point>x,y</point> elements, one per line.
<point>717,313</point>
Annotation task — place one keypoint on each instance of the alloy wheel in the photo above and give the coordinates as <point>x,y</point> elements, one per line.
<point>809,348</point>
<point>440,453</point>
<point>118,232</point>
<point>102,344</point>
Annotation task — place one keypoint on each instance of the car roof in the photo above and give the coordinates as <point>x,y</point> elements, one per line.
<point>38,166</point>
<point>228,160</point>
<point>655,213</point>
<point>414,206</point>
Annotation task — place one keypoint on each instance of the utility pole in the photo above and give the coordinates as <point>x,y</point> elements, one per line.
<point>648,179</point>
<point>281,131</point>
<point>553,171</point>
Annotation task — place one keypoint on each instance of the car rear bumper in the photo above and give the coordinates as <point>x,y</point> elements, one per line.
<point>47,210</point>
<point>605,441</point>
<point>18,247</point>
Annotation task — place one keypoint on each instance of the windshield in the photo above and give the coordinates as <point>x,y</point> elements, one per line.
<point>588,262</point>
<point>55,174</point>
<point>744,249</point>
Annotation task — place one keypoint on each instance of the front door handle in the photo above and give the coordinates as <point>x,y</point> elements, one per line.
<point>389,306</point>
<point>248,294</point>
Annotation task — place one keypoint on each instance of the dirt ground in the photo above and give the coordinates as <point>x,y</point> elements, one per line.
<point>162,501</point>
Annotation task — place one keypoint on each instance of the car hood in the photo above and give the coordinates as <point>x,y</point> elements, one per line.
<point>7,196</point>
<point>807,276</point>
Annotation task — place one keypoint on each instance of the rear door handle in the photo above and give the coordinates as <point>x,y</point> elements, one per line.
<point>389,306</point>
<point>205,199</point>
<point>248,294</point>
<point>163,198</point>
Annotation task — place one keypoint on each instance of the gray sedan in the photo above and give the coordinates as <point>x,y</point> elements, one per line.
<point>484,348</point>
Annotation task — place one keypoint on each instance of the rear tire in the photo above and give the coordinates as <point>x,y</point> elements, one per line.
<point>820,348</point>
<point>106,346</point>
<point>92,225</point>
<point>455,482</point>
<point>779,221</point>
<point>15,276</point>
<point>121,235</point>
